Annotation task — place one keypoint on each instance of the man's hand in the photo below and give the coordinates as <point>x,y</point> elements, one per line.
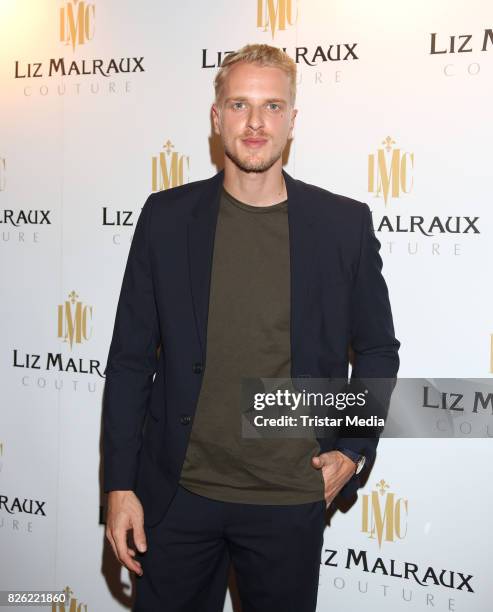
<point>125,512</point>
<point>337,469</point>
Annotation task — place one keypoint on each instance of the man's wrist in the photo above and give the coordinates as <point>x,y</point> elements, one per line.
<point>349,453</point>
<point>359,460</point>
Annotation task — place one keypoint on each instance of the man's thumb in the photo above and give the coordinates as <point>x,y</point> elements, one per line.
<point>317,461</point>
<point>140,539</point>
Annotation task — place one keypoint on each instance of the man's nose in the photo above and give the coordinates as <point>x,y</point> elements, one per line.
<point>255,118</point>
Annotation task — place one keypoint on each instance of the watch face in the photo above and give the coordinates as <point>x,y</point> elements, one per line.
<point>360,464</point>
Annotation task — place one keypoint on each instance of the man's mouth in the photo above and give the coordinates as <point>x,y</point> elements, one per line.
<point>255,143</point>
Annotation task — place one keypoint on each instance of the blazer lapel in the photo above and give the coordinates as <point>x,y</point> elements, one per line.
<point>201,233</point>
<point>303,263</point>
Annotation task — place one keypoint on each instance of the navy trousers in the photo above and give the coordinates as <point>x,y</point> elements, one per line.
<point>275,551</point>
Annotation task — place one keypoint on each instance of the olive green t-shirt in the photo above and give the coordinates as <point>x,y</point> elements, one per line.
<point>248,335</point>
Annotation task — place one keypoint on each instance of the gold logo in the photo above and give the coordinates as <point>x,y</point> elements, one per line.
<point>70,604</point>
<point>3,167</point>
<point>390,171</point>
<point>77,22</point>
<point>275,15</point>
<point>73,319</point>
<point>384,516</point>
<point>168,168</point>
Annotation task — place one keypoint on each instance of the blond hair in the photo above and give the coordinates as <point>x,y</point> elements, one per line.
<point>263,55</point>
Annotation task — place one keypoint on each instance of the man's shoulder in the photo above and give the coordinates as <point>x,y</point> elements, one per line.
<point>181,199</point>
<point>181,195</point>
<point>323,200</point>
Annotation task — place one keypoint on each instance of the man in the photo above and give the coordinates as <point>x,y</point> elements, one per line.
<point>250,273</point>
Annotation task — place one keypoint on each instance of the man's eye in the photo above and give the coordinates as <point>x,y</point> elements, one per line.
<point>274,106</point>
<point>236,105</point>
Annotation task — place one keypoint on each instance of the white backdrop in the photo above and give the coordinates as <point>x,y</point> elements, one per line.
<point>76,165</point>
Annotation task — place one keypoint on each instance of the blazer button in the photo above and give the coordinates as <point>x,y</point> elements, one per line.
<point>185,419</point>
<point>197,368</point>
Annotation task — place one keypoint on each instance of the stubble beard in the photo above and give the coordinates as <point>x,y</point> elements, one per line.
<point>246,165</point>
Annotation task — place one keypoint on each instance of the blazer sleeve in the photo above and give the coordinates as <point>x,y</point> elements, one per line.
<point>373,340</point>
<point>131,364</point>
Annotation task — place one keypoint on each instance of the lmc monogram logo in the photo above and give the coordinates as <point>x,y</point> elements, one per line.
<point>275,15</point>
<point>77,22</point>
<point>384,515</point>
<point>73,319</point>
<point>71,603</point>
<point>168,168</point>
<point>390,171</point>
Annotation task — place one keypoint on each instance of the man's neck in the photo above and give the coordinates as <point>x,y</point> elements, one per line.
<point>255,188</point>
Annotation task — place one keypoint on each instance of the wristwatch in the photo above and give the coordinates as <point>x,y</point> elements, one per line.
<point>357,458</point>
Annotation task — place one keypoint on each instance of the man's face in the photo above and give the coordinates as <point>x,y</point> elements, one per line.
<point>254,116</point>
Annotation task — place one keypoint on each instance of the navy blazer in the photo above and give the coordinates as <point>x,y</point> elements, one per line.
<point>156,359</point>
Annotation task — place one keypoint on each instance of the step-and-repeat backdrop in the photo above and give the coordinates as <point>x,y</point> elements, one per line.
<point>105,101</point>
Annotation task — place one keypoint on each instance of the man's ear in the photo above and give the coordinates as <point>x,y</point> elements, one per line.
<point>293,117</point>
<point>215,119</point>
